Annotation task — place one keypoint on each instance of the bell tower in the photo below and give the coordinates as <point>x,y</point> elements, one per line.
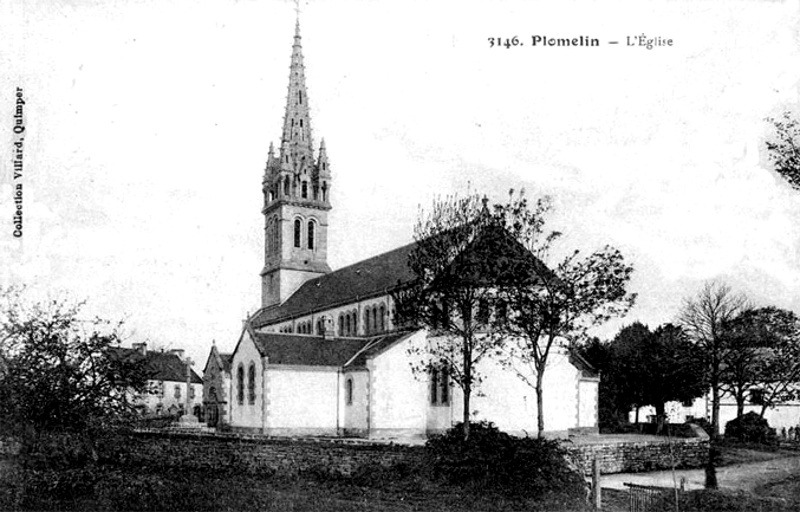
<point>297,191</point>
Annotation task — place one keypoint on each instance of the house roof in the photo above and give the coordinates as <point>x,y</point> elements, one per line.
<point>293,349</point>
<point>373,276</point>
<point>160,365</point>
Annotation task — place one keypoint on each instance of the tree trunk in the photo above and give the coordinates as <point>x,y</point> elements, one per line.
<point>660,417</point>
<point>714,408</point>
<point>465,425</point>
<point>739,405</point>
<point>539,403</point>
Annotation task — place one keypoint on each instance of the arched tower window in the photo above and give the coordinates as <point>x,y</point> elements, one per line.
<point>311,234</point>
<point>286,186</point>
<point>349,391</point>
<point>297,228</point>
<point>251,384</point>
<point>305,190</point>
<point>324,191</point>
<point>240,384</point>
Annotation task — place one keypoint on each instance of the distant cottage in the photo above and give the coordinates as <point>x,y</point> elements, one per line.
<point>166,381</point>
<point>324,355</point>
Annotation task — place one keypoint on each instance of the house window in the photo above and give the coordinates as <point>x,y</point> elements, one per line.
<point>251,384</point>
<point>483,311</point>
<point>240,384</point>
<point>177,392</point>
<point>310,234</point>
<point>444,389</point>
<point>349,391</point>
<point>434,387</point>
<point>440,387</point>
<point>191,392</point>
<point>297,228</point>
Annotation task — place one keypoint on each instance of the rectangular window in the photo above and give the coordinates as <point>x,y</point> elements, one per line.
<point>434,387</point>
<point>191,392</point>
<point>177,392</point>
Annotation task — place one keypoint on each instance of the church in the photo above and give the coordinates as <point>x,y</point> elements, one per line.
<point>324,355</point>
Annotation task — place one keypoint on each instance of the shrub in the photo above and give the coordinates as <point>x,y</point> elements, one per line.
<point>495,461</point>
<point>750,428</point>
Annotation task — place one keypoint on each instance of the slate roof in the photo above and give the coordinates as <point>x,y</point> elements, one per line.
<point>478,264</point>
<point>160,365</point>
<point>375,346</point>
<point>373,276</point>
<point>292,349</point>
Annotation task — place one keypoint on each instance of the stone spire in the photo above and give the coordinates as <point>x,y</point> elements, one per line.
<point>297,154</point>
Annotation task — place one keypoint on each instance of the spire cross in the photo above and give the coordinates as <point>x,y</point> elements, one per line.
<point>297,9</point>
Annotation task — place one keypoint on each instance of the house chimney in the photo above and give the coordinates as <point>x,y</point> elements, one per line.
<point>140,347</point>
<point>177,352</point>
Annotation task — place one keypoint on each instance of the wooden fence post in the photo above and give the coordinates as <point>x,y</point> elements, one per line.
<point>596,495</point>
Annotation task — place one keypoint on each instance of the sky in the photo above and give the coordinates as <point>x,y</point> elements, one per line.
<point>147,126</point>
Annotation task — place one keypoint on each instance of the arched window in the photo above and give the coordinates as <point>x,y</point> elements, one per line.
<point>355,323</point>
<point>434,387</point>
<point>251,384</point>
<point>305,190</point>
<point>444,380</point>
<point>324,191</point>
<point>341,325</point>
<point>382,318</point>
<point>347,325</point>
<point>349,391</point>
<point>286,186</point>
<point>311,234</point>
<point>240,384</point>
<point>375,319</point>
<point>366,322</point>
<point>297,228</point>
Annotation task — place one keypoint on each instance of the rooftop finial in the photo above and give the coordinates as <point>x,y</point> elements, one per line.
<point>297,18</point>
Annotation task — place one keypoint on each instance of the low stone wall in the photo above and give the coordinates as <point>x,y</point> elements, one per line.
<point>633,457</point>
<point>254,453</point>
<point>290,456</point>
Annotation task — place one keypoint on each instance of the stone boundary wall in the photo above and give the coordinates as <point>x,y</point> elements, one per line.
<point>254,453</point>
<point>633,457</point>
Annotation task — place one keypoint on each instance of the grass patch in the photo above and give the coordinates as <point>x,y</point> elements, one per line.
<point>116,488</point>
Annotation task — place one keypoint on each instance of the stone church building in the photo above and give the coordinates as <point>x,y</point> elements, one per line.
<point>323,355</point>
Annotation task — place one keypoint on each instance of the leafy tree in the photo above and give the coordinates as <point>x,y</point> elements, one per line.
<point>784,148</point>
<point>557,304</point>
<point>703,317</point>
<point>625,368</point>
<point>674,369</point>
<point>457,260</point>
<point>774,344</point>
<point>747,339</point>
<point>58,372</point>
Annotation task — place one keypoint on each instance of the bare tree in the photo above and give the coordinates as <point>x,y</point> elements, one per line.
<point>703,317</point>
<point>547,306</point>
<point>456,261</point>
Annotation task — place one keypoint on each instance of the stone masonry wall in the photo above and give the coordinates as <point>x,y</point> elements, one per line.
<point>259,454</point>
<point>254,453</point>
<point>632,457</point>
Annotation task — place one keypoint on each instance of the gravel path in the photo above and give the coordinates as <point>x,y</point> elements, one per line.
<point>743,477</point>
